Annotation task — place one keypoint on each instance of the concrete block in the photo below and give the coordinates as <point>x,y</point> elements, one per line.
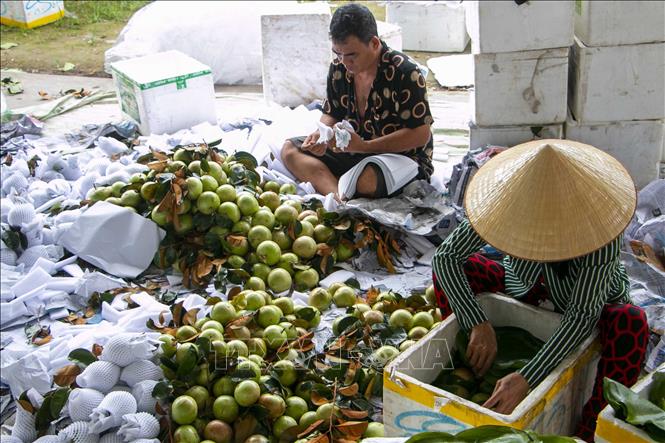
<point>520,88</point>
<point>612,23</point>
<point>505,26</point>
<point>296,57</point>
<point>30,14</point>
<point>165,92</point>
<point>617,83</point>
<point>429,25</point>
<point>510,135</point>
<point>391,34</point>
<point>637,145</point>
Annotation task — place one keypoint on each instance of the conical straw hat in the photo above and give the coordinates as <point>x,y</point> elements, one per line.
<point>550,200</point>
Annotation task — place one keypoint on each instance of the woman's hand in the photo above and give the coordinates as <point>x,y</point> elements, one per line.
<point>312,145</point>
<point>508,393</point>
<point>482,348</point>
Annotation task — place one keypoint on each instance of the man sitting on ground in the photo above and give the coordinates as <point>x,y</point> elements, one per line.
<point>381,93</point>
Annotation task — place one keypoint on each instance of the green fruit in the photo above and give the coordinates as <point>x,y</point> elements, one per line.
<point>256,347</point>
<point>247,203</point>
<point>374,430</point>
<point>285,304</point>
<point>401,318</point>
<point>274,336</point>
<point>287,261</point>
<point>227,193</point>
<point>114,201</point>
<point>287,188</point>
<point>99,194</point>
<point>116,188</point>
<point>219,350</point>
<point>207,203</point>
<point>237,245</point>
<point>217,172</point>
<point>186,434</point>
<point>282,424</point>
<point>406,344</point>
<point>307,419</point>
<point>286,372</point>
<point>344,252</point>
<point>274,404</point>
<point>137,178</point>
<point>237,348</point>
<point>373,317</point>
<point>254,301</point>
<point>282,239</point>
<point>269,315</point>
<point>130,198</point>
<point>295,407</point>
<point>263,217</point>
<point>430,296</point>
<point>306,279</point>
<point>212,324</point>
<point>194,187</point>
<point>148,191</point>
<point>261,270</point>
<point>224,387</point>
<point>247,393</point>
<point>326,410</point>
<point>323,233</point>
<point>271,186</point>
<point>223,312</point>
<point>209,183</point>
<point>423,319</point>
<point>279,280</point>
<point>304,247</point>
<point>230,211</point>
<point>418,332</point>
<point>249,366</point>
<point>312,220</point>
<point>184,207</point>
<point>291,333</point>
<point>212,335</point>
<point>200,395</point>
<point>359,309</point>
<point>218,432</point>
<point>182,155</point>
<point>185,332</point>
<point>345,297</point>
<point>185,224</point>
<point>269,252</point>
<point>270,200</point>
<point>175,166</point>
<point>256,438</point>
<point>307,229</point>
<point>384,354</point>
<point>184,410</point>
<point>286,214</point>
<point>241,227</point>
<point>195,167</point>
<point>183,350</point>
<point>258,234</point>
<point>255,284</point>
<point>168,345</point>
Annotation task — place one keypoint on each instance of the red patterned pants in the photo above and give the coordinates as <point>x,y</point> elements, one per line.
<point>623,334</point>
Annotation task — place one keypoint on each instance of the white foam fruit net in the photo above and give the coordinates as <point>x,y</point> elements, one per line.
<point>139,425</point>
<point>48,439</point>
<point>9,439</point>
<point>125,349</point>
<point>111,437</point>
<point>78,432</point>
<point>142,392</point>
<point>81,403</point>
<point>139,371</point>
<point>100,375</point>
<point>110,411</point>
<point>24,426</point>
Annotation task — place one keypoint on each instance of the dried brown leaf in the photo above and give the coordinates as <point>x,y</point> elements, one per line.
<point>349,391</point>
<point>66,375</point>
<point>319,439</point>
<point>97,350</point>
<point>352,428</point>
<point>310,428</point>
<point>354,414</point>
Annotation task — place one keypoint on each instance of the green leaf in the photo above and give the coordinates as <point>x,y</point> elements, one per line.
<point>162,390</point>
<point>188,363</point>
<point>53,403</point>
<point>634,409</point>
<point>306,313</point>
<point>8,45</point>
<point>352,282</point>
<point>242,374</point>
<point>246,159</point>
<point>432,437</point>
<point>58,401</point>
<point>67,67</point>
<point>204,344</point>
<point>82,356</point>
<point>205,166</point>
<point>657,391</point>
<point>14,88</point>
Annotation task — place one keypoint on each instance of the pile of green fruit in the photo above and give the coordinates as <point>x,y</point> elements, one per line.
<point>218,216</point>
<point>515,347</point>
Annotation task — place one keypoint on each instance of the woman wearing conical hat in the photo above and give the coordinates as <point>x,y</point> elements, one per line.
<point>558,209</point>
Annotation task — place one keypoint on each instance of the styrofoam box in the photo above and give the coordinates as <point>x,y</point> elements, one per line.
<point>391,34</point>
<point>612,23</point>
<point>429,25</point>
<point>30,14</point>
<point>165,92</point>
<point>300,77</point>
<point>636,144</point>
<point>411,405</point>
<point>610,429</point>
<point>505,26</point>
<point>520,88</point>
<point>510,135</point>
<point>616,83</point>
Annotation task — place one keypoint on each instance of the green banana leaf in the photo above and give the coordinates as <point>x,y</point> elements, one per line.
<point>494,434</point>
<point>635,410</point>
<point>657,392</point>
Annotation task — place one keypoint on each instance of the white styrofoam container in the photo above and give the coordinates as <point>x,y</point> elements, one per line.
<point>520,88</point>
<point>505,26</point>
<point>299,78</point>
<point>390,33</point>
<point>165,92</point>
<point>609,429</point>
<point>30,14</point>
<point>429,25</point>
<point>411,405</point>
<point>636,144</point>
<point>612,23</point>
<point>616,83</point>
<point>510,135</point>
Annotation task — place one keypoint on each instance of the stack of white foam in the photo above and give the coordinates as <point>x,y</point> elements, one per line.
<point>521,69</point>
<point>617,82</point>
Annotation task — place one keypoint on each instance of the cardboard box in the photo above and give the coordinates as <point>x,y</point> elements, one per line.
<point>510,135</point>
<point>617,83</point>
<point>612,23</point>
<point>610,429</point>
<point>30,14</point>
<point>429,25</point>
<point>411,405</point>
<point>637,145</point>
<point>505,26</point>
<point>520,88</point>
<point>165,92</point>
<point>300,77</point>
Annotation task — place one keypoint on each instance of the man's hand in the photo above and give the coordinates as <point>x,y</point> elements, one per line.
<point>357,144</point>
<point>482,348</point>
<point>508,393</point>
<point>312,146</point>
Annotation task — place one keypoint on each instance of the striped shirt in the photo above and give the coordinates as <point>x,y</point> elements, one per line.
<point>593,280</point>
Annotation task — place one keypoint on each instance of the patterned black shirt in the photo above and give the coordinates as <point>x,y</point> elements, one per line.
<point>397,99</point>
